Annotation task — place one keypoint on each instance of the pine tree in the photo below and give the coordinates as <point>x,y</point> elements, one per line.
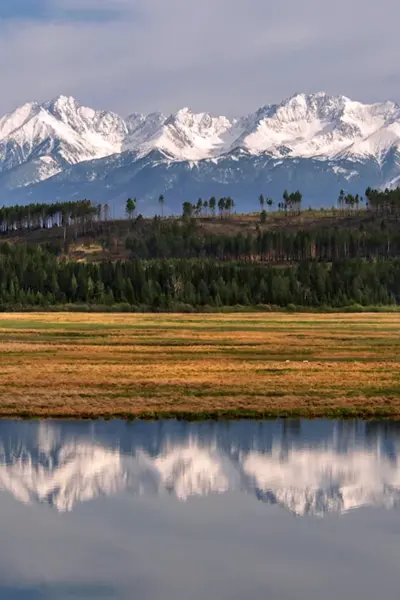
<point>161,203</point>
<point>341,200</point>
<point>212,204</point>
<point>130,207</point>
<point>187,209</point>
<point>73,288</point>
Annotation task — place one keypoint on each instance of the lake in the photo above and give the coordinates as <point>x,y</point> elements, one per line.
<point>284,510</point>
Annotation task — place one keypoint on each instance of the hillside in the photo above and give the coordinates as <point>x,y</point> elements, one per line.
<point>107,240</point>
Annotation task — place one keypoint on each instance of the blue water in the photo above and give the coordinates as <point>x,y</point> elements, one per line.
<point>280,510</point>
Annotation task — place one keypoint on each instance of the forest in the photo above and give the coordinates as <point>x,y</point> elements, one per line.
<point>35,276</point>
<point>178,265</point>
<point>185,239</point>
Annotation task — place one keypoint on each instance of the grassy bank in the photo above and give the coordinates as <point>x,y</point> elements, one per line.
<point>200,366</point>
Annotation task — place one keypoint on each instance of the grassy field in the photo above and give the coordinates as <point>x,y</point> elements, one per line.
<point>200,366</point>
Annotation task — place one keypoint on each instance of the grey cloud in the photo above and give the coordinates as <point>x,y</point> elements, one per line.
<point>226,56</point>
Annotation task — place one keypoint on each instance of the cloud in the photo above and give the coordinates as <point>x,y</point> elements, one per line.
<point>226,56</point>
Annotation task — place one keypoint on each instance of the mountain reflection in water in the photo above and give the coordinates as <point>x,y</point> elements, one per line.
<point>306,467</point>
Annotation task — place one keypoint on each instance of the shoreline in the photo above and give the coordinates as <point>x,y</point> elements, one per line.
<point>348,413</point>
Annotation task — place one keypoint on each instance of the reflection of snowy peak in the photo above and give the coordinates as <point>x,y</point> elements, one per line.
<point>195,470</point>
<point>330,141</point>
<point>313,479</point>
<point>321,480</point>
<point>71,475</point>
<point>77,472</point>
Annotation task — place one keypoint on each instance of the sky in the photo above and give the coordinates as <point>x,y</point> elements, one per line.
<point>224,56</point>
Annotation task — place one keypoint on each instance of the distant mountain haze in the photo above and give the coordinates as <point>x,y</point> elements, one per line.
<point>317,143</point>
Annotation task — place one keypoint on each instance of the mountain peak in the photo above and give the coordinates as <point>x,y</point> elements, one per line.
<point>62,103</point>
<point>309,97</point>
<point>319,103</point>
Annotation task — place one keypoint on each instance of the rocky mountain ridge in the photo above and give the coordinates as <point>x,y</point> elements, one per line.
<point>60,150</point>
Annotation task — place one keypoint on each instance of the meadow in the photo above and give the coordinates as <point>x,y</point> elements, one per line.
<point>199,366</point>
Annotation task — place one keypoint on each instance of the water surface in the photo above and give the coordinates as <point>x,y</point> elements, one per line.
<point>282,510</point>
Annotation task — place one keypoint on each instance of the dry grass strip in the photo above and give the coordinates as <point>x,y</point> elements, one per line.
<point>238,365</point>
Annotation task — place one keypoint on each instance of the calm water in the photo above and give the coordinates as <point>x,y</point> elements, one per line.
<point>174,511</point>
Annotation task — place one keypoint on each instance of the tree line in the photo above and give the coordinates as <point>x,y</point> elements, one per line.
<point>44,216</point>
<point>385,203</point>
<point>226,204</point>
<point>36,277</point>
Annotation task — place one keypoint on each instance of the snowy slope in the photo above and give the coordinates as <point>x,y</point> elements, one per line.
<point>356,144</point>
<point>41,140</point>
<point>318,125</point>
<point>189,136</point>
<point>305,479</point>
<point>304,126</point>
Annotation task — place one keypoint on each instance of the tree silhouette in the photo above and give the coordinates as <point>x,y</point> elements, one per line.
<point>161,203</point>
<point>292,200</point>
<point>130,207</point>
<point>341,201</point>
<point>212,204</point>
<point>286,200</point>
<point>187,209</point>
<point>229,204</point>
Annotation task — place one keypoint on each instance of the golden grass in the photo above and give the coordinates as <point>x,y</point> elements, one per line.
<point>199,365</point>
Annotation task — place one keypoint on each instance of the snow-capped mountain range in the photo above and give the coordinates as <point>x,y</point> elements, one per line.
<point>305,478</point>
<point>315,142</point>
